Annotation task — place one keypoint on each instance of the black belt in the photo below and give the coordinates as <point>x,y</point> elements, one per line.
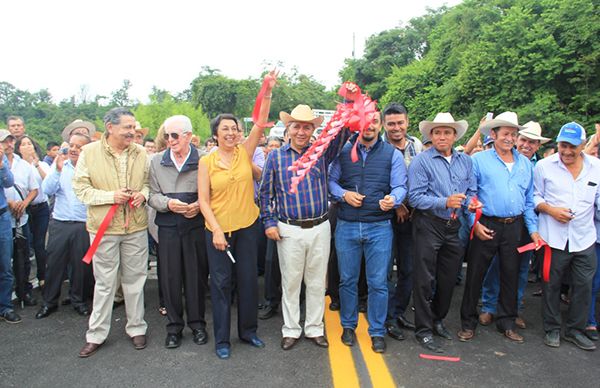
<point>37,205</point>
<point>448,222</point>
<point>306,224</point>
<point>3,210</point>
<point>503,220</point>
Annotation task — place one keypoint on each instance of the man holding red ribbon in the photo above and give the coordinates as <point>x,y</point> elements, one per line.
<point>567,187</point>
<point>111,178</point>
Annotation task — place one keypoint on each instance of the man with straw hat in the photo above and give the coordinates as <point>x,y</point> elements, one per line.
<point>78,126</point>
<point>140,133</point>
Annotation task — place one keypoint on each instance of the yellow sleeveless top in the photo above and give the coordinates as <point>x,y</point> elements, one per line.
<point>231,190</point>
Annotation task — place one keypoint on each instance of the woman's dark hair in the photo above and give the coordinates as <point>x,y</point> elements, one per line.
<point>18,144</point>
<point>214,124</point>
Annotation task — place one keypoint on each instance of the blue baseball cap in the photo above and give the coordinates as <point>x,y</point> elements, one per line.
<point>572,133</point>
<point>487,140</point>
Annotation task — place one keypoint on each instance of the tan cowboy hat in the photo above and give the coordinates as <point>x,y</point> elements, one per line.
<point>301,113</point>
<point>533,131</point>
<point>138,128</point>
<point>443,119</point>
<point>66,133</point>
<point>505,119</point>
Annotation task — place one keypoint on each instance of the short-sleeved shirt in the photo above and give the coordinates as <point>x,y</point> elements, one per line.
<point>231,190</point>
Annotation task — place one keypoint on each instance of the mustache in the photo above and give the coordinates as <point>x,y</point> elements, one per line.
<point>128,136</point>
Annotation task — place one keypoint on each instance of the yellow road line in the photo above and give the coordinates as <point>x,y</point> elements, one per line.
<point>378,370</point>
<point>343,370</point>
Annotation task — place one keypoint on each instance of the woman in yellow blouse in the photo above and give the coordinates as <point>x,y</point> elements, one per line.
<point>226,196</point>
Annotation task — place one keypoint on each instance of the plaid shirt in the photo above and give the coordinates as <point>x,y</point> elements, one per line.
<point>310,201</point>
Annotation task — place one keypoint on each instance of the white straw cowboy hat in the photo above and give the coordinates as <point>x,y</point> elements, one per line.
<point>505,119</point>
<point>301,113</point>
<point>138,128</point>
<point>533,131</point>
<point>66,133</point>
<point>443,119</point>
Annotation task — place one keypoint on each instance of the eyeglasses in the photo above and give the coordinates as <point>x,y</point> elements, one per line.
<point>174,136</point>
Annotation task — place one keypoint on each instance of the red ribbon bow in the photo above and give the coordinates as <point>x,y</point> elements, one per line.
<point>547,256</point>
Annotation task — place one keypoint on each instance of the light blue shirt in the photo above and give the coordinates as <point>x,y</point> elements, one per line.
<point>6,181</point>
<point>67,207</point>
<point>555,186</point>
<point>505,193</point>
<point>397,176</point>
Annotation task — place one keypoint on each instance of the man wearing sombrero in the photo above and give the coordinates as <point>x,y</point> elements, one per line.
<point>299,224</point>
<point>140,133</point>
<point>78,126</point>
<point>505,187</point>
<point>441,182</point>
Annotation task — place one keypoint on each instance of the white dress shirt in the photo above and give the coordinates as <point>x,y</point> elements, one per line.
<point>554,185</point>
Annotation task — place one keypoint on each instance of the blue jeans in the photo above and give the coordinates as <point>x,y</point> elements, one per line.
<point>491,284</point>
<point>400,292</point>
<point>374,239</point>
<point>595,288</point>
<point>6,275</point>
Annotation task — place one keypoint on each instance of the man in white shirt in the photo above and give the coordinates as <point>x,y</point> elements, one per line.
<point>567,187</point>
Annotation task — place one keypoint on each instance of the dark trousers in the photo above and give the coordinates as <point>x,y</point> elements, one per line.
<point>183,270</point>
<point>480,254</point>
<point>68,241</point>
<point>39,217</point>
<point>400,291</point>
<point>21,264</point>
<point>272,275</point>
<point>437,257</point>
<point>222,271</point>
<point>582,266</point>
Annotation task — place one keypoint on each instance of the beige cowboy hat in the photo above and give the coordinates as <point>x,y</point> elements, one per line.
<point>138,128</point>
<point>66,133</point>
<point>533,131</point>
<point>301,113</point>
<point>443,119</point>
<point>505,119</point>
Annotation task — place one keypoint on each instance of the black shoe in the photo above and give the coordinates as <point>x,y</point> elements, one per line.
<point>362,306</point>
<point>378,344</point>
<point>440,330</point>
<point>268,311</point>
<point>255,341</point>
<point>405,323</point>
<point>429,343</point>
<point>394,331</point>
<point>173,340</point>
<point>200,336</point>
<point>348,337</point>
<point>10,317</point>
<point>334,305</point>
<point>82,310</point>
<point>580,340</point>
<point>45,311</point>
<point>552,338</point>
<point>28,300</point>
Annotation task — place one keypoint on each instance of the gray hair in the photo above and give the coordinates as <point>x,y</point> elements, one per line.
<point>113,116</point>
<point>274,138</point>
<point>180,119</point>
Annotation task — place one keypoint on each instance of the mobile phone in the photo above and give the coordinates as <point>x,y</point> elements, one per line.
<point>64,151</point>
<point>489,116</point>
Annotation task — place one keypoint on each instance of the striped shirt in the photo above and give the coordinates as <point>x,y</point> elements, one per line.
<point>276,202</point>
<point>432,179</point>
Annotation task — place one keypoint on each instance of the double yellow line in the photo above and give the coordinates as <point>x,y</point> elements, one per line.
<point>343,369</point>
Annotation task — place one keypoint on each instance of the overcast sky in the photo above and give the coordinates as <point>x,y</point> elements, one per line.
<point>64,44</point>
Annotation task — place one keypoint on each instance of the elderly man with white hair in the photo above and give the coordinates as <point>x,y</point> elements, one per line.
<point>183,261</point>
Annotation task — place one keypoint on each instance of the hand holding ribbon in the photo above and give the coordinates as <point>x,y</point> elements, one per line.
<point>264,93</point>
<point>537,244</point>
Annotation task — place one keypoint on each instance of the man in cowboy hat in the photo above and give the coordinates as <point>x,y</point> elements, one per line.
<point>368,190</point>
<point>567,192</point>
<point>528,142</point>
<point>78,126</point>
<point>299,223</point>
<point>441,182</point>
<point>505,187</point>
<point>140,133</point>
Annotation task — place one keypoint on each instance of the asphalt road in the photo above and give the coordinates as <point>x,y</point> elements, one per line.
<point>43,353</point>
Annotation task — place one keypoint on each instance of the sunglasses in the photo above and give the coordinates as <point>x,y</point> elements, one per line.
<point>173,135</point>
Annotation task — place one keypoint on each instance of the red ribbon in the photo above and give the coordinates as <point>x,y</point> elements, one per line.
<point>439,358</point>
<point>478,214</point>
<point>258,103</point>
<point>547,256</point>
<point>102,229</point>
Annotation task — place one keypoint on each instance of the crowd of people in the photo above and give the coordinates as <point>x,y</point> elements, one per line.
<point>380,219</point>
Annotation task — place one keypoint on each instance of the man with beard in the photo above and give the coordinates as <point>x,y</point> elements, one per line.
<point>368,190</point>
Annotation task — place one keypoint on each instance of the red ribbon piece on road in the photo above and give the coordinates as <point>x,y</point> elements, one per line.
<point>102,229</point>
<point>439,358</point>
<point>478,214</point>
<point>258,103</point>
<point>547,256</point>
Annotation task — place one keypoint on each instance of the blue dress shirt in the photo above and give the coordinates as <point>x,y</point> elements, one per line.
<point>67,207</point>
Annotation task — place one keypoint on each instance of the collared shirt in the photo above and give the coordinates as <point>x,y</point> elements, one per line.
<point>177,165</point>
<point>23,178</point>
<point>6,180</point>
<point>413,148</point>
<point>555,186</point>
<point>431,180</point>
<point>505,193</point>
<point>67,207</point>
<point>311,199</point>
<point>397,176</point>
